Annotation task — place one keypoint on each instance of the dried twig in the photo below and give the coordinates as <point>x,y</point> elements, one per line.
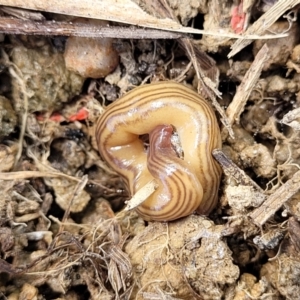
<point>18,26</point>
<point>263,23</point>
<point>276,200</point>
<point>231,169</point>
<point>250,79</point>
<point>125,11</point>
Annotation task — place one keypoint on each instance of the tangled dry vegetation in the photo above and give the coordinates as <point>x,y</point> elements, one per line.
<point>63,233</point>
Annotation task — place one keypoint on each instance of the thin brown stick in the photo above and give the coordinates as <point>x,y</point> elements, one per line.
<point>18,26</point>
<point>231,169</point>
<point>276,200</point>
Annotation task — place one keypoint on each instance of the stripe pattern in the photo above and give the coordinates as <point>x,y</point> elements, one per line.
<point>185,185</point>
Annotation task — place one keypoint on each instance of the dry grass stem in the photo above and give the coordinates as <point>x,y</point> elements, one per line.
<point>34,174</point>
<point>80,186</point>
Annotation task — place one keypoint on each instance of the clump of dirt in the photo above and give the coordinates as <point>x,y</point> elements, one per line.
<point>48,83</point>
<point>8,117</point>
<point>159,252</point>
